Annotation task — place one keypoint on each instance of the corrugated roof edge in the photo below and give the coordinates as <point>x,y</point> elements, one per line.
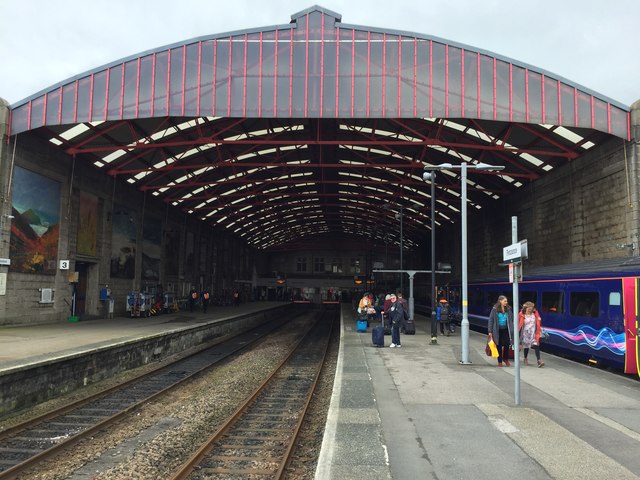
<point>423,36</point>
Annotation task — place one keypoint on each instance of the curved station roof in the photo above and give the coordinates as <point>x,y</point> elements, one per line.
<point>287,132</point>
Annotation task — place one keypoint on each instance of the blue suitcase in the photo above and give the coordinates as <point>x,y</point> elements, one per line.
<point>377,336</point>
<point>361,326</point>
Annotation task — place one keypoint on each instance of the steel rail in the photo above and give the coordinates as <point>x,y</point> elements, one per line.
<point>195,461</point>
<point>34,460</point>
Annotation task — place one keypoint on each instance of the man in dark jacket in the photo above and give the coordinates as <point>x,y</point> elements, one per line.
<point>396,315</point>
<point>443,316</point>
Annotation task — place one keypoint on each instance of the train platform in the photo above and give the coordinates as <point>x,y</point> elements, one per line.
<point>30,344</point>
<point>416,413</point>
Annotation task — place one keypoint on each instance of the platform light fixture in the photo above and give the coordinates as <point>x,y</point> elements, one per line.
<point>463,167</point>
<point>431,177</point>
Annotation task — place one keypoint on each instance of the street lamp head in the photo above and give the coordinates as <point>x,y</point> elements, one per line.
<point>486,166</point>
<point>428,176</point>
<point>442,166</point>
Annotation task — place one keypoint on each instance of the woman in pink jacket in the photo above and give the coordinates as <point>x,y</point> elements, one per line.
<point>529,327</point>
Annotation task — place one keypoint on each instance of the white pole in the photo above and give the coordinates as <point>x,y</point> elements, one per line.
<point>464,327</point>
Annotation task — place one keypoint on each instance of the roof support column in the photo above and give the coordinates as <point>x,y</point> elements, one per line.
<point>632,157</point>
<point>5,204</point>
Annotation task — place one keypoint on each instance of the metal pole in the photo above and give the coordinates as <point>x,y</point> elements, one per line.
<point>464,327</point>
<point>401,249</point>
<point>516,309</point>
<point>434,326</point>
<point>411,274</point>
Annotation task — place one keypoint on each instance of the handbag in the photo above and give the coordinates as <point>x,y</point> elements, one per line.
<point>544,335</point>
<point>492,349</point>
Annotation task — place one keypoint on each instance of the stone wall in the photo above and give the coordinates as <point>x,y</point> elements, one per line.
<point>214,260</point>
<point>581,211</point>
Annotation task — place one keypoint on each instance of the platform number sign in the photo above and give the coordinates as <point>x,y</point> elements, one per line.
<point>64,264</point>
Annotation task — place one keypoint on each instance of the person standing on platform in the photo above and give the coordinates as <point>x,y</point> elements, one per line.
<point>529,325</point>
<point>396,316</point>
<point>443,316</point>
<point>193,297</point>
<point>205,300</point>
<point>499,328</point>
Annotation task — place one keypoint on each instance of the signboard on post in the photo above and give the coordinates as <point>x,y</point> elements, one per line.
<point>515,252</point>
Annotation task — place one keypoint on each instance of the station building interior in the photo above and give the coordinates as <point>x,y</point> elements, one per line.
<point>288,162</point>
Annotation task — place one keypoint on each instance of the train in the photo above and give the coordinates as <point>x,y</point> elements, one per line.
<point>590,310</point>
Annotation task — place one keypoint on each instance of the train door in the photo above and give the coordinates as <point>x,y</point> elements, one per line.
<point>630,295</point>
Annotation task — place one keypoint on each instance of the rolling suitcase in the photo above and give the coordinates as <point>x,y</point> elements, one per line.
<point>377,335</point>
<point>409,327</point>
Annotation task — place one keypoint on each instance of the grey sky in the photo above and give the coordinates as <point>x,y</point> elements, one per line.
<point>590,42</point>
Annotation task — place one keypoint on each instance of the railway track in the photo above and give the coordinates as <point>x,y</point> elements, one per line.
<point>25,445</point>
<point>258,439</point>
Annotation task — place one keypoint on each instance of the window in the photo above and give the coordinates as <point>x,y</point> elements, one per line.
<point>301,264</point>
<point>318,264</point>
<point>476,298</point>
<point>528,297</point>
<point>492,297</point>
<point>552,302</point>
<point>336,265</point>
<point>355,265</point>
<point>615,299</point>
<point>584,304</point>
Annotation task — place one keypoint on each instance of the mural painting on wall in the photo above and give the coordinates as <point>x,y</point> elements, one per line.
<point>123,242</point>
<point>171,252</point>
<point>88,224</point>
<point>151,232</point>
<point>36,225</point>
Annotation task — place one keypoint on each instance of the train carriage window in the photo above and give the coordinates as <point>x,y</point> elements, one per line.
<point>552,302</point>
<point>492,298</point>
<point>584,304</point>
<point>615,299</point>
<point>477,300</point>
<point>528,297</point>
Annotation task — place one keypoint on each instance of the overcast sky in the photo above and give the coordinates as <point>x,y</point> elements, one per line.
<point>591,42</point>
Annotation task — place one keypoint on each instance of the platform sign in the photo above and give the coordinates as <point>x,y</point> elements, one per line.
<point>64,264</point>
<point>515,251</point>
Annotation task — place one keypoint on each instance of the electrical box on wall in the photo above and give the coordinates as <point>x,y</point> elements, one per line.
<point>46,295</point>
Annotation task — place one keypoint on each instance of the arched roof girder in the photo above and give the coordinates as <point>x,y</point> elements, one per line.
<point>318,128</point>
<point>318,67</point>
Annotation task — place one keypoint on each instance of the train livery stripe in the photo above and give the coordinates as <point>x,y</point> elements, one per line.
<point>637,323</point>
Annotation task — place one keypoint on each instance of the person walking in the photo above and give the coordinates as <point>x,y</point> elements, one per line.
<point>205,300</point>
<point>529,326</point>
<point>499,328</point>
<point>443,316</point>
<point>396,316</point>
<point>193,297</point>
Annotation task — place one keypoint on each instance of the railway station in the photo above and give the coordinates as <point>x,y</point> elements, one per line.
<point>293,168</point>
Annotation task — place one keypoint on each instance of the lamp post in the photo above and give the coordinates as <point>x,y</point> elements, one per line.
<point>399,216</point>
<point>464,327</point>
<point>431,176</point>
